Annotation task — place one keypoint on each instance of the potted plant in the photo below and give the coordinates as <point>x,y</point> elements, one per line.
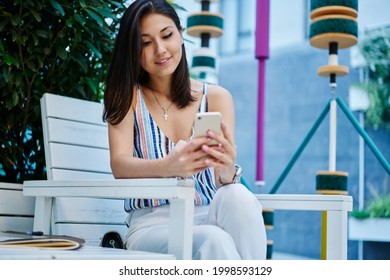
<point>373,222</point>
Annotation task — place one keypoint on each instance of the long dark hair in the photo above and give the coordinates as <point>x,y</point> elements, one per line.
<point>125,69</point>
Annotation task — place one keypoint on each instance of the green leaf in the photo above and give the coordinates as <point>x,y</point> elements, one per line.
<point>8,59</point>
<point>104,12</point>
<point>81,63</point>
<point>82,3</point>
<point>61,52</point>
<point>46,51</point>
<point>61,34</point>
<point>3,24</point>
<point>15,99</point>
<point>92,84</point>
<point>95,16</point>
<point>42,33</point>
<point>35,14</point>
<point>58,7</point>
<point>1,47</point>
<point>94,49</point>
<point>80,19</point>
<point>6,74</point>
<point>16,20</point>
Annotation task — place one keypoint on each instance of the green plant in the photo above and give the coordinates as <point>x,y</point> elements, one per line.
<point>375,48</point>
<point>56,46</point>
<point>378,207</point>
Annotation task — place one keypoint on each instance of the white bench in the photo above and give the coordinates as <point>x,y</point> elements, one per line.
<point>77,159</point>
<point>16,210</point>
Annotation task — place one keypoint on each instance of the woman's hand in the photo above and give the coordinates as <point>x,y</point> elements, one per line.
<point>188,158</point>
<point>223,156</point>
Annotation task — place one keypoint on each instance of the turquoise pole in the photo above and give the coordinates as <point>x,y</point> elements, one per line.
<point>365,136</point>
<point>301,148</point>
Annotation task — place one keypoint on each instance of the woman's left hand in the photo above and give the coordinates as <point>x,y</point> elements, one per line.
<point>223,155</point>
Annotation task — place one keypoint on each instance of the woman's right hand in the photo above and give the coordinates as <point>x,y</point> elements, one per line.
<point>187,158</point>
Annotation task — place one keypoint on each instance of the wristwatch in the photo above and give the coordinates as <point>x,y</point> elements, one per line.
<point>236,178</point>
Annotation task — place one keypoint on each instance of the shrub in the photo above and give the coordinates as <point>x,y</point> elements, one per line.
<point>57,46</point>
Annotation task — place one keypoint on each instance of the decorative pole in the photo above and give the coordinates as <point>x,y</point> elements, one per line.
<point>333,26</point>
<point>262,54</point>
<point>205,25</point>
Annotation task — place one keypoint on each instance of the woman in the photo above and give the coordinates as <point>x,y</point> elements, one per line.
<point>150,104</point>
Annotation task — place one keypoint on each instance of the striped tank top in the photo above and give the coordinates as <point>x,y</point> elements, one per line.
<point>151,143</point>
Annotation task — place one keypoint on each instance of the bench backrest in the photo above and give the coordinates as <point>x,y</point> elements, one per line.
<point>76,147</point>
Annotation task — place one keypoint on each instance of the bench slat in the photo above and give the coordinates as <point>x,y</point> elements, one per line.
<point>88,210</point>
<point>76,133</point>
<point>69,108</point>
<point>79,158</point>
<point>15,203</point>
<point>61,174</point>
<point>16,223</point>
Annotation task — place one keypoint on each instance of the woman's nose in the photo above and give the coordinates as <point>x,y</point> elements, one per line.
<point>160,48</point>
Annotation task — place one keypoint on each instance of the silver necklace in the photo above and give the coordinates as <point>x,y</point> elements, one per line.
<point>165,115</point>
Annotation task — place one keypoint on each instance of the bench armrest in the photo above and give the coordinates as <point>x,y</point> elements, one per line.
<point>180,193</point>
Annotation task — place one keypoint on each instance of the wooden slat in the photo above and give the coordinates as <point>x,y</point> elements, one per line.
<point>87,210</point>
<point>79,158</point>
<point>12,202</point>
<point>61,174</point>
<point>11,186</point>
<point>16,223</point>
<point>76,133</point>
<point>72,109</point>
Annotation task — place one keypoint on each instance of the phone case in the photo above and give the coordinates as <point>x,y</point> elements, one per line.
<point>207,121</point>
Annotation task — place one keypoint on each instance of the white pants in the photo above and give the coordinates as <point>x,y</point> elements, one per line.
<point>231,227</point>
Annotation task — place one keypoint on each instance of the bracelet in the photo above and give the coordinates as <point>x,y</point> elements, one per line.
<point>236,178</point>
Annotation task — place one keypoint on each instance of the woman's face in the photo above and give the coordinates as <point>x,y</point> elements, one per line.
<point>162,45</point>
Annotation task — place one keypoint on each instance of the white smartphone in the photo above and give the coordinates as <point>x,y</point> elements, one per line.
<point>207,121</point>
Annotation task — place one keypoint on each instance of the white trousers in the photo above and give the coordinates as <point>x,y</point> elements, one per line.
<point>231,227</point>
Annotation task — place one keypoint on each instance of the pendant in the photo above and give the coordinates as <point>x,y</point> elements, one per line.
<point>165,115</point>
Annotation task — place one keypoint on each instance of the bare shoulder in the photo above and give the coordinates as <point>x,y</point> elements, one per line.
<point>219,98</point>
<point>217,91</point>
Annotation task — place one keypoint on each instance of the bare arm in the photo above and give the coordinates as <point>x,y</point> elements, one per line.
<point>185,160</point>
<point>224,158</point>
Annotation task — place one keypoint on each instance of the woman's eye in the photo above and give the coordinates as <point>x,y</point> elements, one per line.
<point>167,36</point>
<point>144,44</point>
